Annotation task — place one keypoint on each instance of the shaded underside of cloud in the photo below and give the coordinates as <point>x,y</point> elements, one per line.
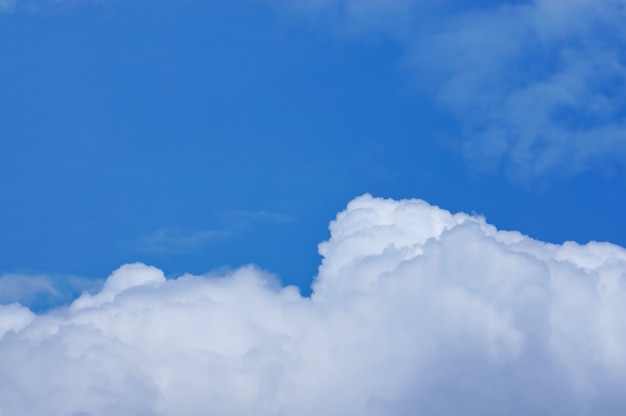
<point>414,311</point>
<point>539,86</point>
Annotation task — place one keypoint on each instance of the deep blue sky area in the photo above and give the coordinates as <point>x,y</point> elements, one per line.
<point>196,135</point>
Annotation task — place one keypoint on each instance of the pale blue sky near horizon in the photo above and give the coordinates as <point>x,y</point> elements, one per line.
<point>198,135</point>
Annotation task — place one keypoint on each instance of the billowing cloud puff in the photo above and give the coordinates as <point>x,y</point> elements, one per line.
<point>415,311</point>
<point>539,86</point>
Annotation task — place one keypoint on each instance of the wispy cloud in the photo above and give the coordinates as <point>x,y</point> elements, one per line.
<point>7,5</point>
<point>415,310</point>
<point>169,241</point>
<point>538,86</point>
<point>229,224</point>
<point>244,218</point>
<point>42,291</point>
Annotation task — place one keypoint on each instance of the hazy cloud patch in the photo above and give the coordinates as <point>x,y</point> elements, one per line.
<point>172,240</point>
<point>539,86</point>
<point>41,292</point>
<point>244,218</point>
<point>7,5</point>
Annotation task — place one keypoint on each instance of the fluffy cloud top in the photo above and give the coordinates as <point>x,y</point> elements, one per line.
<point>538,85</point>
<point>415,311</point>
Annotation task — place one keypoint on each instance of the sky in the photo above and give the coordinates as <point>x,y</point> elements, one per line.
<point>308,192</point>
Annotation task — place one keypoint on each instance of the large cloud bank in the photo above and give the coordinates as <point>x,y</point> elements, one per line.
<point>539,86</point>
<point>415,311</point>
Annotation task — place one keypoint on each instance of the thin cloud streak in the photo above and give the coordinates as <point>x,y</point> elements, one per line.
<point>174,240</point>
<point>244,218</point>
<point>171,241</point>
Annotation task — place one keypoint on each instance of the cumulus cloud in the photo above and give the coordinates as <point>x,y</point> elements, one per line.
<point>539,86</point>
<point>414,311</point>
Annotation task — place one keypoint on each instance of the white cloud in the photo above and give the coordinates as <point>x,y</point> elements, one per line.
<point>539,85</point>
<point>414,311</point>
<point>14,317</point>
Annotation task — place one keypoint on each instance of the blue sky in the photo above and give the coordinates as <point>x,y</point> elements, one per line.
<point>305,207</point>
<point>198,135</point>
